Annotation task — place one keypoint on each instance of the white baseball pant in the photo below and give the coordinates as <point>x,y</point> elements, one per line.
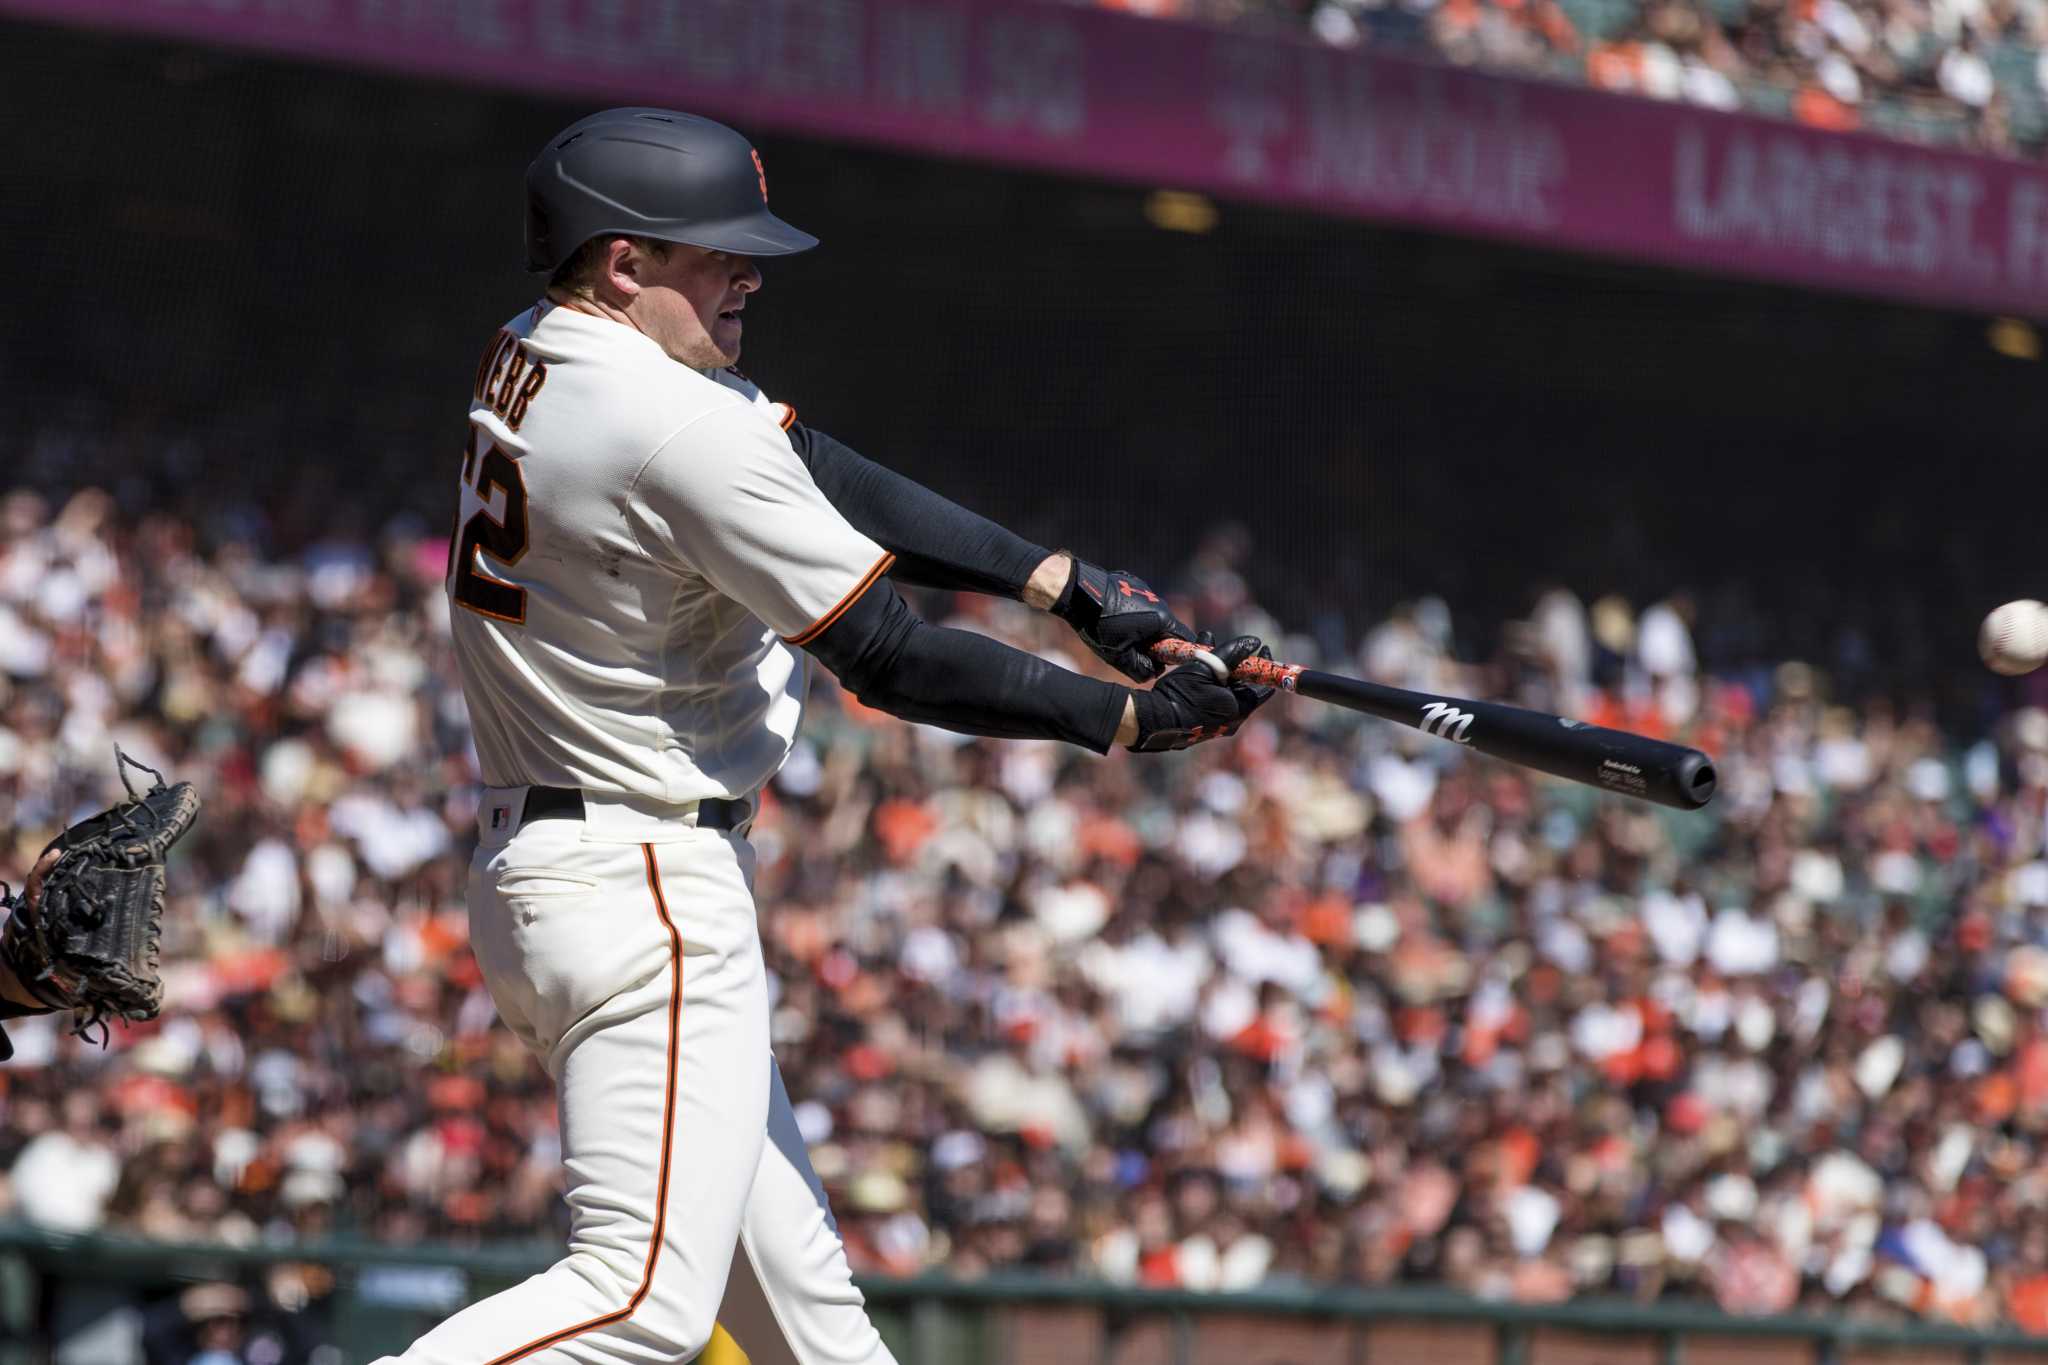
<point>624,950</point>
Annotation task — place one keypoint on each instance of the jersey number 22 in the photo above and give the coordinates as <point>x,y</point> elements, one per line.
<point>489,471</point>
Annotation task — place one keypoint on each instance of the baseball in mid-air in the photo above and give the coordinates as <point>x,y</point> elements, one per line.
<point>2014,637</point>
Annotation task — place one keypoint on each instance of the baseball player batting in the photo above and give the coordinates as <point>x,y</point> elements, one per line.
<point>646,551</point>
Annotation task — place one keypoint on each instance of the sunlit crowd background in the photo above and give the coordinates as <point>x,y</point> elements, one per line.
<point>1333,1003</point>
<point>1957,72</point>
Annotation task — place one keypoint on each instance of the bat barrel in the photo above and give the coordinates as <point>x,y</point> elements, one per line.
<point>1635,765</point>
<point>1612,760</point>
<point>1697,779</point>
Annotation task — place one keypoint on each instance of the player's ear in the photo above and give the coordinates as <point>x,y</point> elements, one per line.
<point>624,259</point>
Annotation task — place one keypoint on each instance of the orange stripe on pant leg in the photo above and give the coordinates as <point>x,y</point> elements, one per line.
<point>668,1132</point>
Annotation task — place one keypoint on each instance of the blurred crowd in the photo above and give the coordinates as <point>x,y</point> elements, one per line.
<point>1968,73</point>
<point>1331,1003</point>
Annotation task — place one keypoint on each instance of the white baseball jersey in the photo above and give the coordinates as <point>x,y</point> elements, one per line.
<point>637,552</point>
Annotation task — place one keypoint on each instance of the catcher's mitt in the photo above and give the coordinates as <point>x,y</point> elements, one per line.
<point>89,940</point>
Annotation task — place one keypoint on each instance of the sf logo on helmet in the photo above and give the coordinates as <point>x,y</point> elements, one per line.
<point>762,172</point>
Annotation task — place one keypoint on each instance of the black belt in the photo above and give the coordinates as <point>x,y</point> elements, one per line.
<point>566,803</point>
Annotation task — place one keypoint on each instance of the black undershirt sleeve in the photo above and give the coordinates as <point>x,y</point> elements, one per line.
<point>957,680</point>
<point>937,543</point>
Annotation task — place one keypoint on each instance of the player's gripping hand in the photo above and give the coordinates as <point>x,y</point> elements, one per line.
<point>1188,705</point>
<point>1119,617</point>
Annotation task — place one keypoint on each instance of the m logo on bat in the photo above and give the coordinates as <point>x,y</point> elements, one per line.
<point>1446,721</point>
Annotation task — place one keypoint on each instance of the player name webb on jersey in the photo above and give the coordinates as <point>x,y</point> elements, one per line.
<point>616,509</point>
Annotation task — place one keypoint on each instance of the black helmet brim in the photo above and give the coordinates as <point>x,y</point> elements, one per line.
<point>755,234</point>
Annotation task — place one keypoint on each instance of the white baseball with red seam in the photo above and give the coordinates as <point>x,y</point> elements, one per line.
<point>2014,637</point>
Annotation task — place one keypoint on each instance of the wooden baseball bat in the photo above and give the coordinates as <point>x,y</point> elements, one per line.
<point>1612,760</point>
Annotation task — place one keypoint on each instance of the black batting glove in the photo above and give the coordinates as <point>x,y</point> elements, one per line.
<point>1188,705</point>
<point>1119,617</point>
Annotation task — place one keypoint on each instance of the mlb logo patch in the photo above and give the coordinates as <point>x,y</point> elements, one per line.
<point>501,816</point>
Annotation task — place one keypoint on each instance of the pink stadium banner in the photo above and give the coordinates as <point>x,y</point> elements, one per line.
<point>1271,119</point>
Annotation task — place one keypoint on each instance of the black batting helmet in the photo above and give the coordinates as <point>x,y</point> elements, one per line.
<point>651,173</point>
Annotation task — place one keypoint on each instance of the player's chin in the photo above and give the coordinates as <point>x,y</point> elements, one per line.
<point>726,337</point>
